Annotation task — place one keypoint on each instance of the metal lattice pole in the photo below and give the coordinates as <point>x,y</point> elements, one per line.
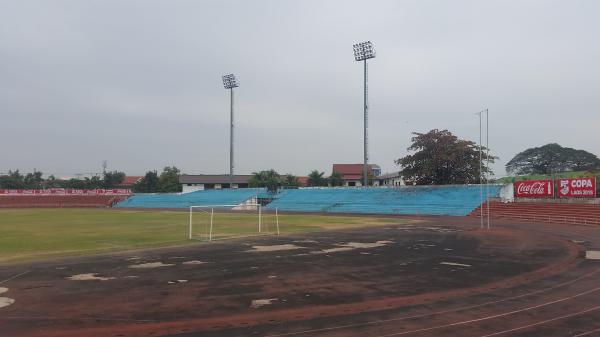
<point>230,82</point>
<point>362,52</point>
<point>231,138</point>
<point>366,127</point>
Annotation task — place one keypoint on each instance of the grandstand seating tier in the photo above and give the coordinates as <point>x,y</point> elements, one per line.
<point>551,212</point>
<point>184,200</point>
<point>424,200</point>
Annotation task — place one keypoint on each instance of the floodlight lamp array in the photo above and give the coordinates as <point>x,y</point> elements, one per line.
<point>364,51</point>
<point>229,81</point>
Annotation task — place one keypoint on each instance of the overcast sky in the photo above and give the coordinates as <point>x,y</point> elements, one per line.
<point>138,83</point>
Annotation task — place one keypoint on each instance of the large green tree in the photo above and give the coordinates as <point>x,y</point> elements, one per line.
<point>113,178</point>
<point>552,158</point>
<point>439,158</point>
<point>268,178</point>
<point>168,181</point>
<point>148,184</point>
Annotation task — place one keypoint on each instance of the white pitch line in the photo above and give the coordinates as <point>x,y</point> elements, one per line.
<point>438,312</point>
<point>15,276</point>
<point>587,333</point>
<point>547,321</point>
<point>497,315</point>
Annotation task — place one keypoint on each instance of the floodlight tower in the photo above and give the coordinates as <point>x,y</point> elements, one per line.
<point>230,82</point>
<point>362,52</point>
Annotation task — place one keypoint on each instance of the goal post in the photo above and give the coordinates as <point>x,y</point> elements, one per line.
<point>212,222</point>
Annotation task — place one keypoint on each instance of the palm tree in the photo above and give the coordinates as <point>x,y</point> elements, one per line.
<point>315,178</point>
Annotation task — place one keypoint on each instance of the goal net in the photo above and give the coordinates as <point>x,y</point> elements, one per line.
<point>217,222</point>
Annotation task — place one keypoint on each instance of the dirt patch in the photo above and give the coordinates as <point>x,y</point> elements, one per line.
<point>455,264</point>
<point>193,262</point>
<point>261,303</point>
<point>150,265</point>
<point>5,302</point>
<point>178,281</point>
<point>344,247</point>
<point>592,255</point>
<point>89,277</point>
<point>273,248</point>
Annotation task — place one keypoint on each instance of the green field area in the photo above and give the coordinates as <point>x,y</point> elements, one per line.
<point>32,234</point>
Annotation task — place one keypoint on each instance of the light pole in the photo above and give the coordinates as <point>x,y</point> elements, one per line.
<point>362,52</point>
<point>480,174</point>
<point>230,82</point>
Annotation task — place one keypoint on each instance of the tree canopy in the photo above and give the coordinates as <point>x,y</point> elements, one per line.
<point>552,158</point>
<point>336,179</point>
<point>316,178</point>
<point>269,179</point>
<point>148,184</point>
<point>441,158</point>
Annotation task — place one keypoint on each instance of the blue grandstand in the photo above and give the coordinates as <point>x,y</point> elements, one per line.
<point>457,200</point>
<point>184,200</point>
<point>426,200</point>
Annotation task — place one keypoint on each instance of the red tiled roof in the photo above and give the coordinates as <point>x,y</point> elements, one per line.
<point>303,181</point>
<point>130,180</point>
<point>346,169</point>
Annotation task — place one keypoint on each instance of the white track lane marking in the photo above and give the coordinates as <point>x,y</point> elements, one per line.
<point>30,318</point>
<point>438,312</point>
<point>547,321</point>
<point>15,276</point>
<point>508,313</point>
<point>587,333</point>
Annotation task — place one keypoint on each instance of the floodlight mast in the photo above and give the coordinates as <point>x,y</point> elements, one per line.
<point>230,82</point>
<point>362,52</point>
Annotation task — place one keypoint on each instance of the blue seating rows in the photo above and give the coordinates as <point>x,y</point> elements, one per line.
<point>184,200</point>
<point>425,200</point>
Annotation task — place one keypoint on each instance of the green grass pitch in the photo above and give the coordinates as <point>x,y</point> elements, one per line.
<point>34,234</point>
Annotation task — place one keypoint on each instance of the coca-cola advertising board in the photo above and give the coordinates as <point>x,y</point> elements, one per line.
<point>576,187</point>
<point>533,189</point>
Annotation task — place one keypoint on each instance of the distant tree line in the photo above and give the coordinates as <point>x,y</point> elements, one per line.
<point>166,182</point>
<point>273,181</point>
<point>152,182</point>
<point>16,180</point>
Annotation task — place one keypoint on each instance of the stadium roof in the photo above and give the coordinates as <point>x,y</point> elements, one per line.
<point>351,169</point>
<point>213,179</point>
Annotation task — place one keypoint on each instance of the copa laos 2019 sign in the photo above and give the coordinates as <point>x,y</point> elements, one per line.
<point>576,187</point>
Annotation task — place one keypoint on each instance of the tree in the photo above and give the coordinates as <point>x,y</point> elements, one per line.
<point>290,180</point>
<point>113,178</point>
<point>13,180</point>
<point>52,182</point>
<point>316,178</point>
<point>552,158</point>
<point>169,180</point>
<point>33,180</point>
<point>148,184</point>
<point>269,179</point>
<point>335,179</point>
<point>441,158</point>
